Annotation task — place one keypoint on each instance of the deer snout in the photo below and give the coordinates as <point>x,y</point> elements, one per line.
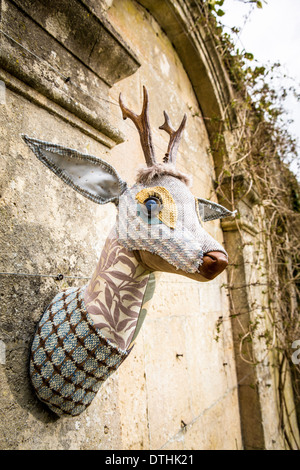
<point>214,262</point>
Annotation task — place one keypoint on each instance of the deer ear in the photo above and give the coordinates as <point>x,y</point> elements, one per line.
<point>209,210</point>
<point>90,176</point>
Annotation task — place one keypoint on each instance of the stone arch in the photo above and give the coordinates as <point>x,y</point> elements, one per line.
<point>203,65</point>
<point>214,93</point>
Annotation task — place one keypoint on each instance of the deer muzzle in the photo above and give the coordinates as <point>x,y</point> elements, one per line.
<point>213,264</point>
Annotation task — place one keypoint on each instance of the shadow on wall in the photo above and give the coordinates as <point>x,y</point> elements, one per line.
<point>23,300</point>
<point>21,297</point>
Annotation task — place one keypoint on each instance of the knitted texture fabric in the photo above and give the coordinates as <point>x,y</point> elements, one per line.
<point>168,214</point>
<point>105,185</point>
<point>70,358</point>
<point>183,244</point>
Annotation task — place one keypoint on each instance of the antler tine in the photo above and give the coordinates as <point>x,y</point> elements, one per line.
<point>175,137</point>
<point>142,124</point>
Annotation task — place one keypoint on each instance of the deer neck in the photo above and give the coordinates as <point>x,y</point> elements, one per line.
<point>117,296</point>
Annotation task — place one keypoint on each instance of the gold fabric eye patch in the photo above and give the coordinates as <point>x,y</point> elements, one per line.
<point>168,212</point>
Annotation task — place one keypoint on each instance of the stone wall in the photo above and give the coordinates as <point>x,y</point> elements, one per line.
<point>179,388</point>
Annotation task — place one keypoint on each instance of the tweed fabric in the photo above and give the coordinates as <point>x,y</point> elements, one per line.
<point>90,176</point>
<point>70,358</point>
<point>208,210</point>
<point>168,214</point>
<point>182,246</point>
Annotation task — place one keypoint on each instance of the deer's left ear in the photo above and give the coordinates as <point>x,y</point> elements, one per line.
<point>209,210</point>
<point>92,177</point>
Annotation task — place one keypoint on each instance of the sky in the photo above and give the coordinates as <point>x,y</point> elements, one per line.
<point>271,34</point>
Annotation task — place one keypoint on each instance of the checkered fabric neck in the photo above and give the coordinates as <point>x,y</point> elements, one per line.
<point>70,358</point>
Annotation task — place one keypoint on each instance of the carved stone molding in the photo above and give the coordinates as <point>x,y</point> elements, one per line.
<point>62,50</point>
<point>197,52</point>
<point>245,197</point>
<point>234,225</point>
<point>236,232</point>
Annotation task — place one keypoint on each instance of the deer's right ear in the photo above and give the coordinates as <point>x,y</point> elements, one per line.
<point>90,176</point>
<point>208,210</point>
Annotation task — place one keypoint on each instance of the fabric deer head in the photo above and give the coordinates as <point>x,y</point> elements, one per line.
<point>158,218</point>
<point>87,332</point>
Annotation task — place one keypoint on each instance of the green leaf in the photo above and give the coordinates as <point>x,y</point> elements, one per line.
<point>211,4</point>
<point>220,12</point>
<point>259,4</point>
<point>249,56</point>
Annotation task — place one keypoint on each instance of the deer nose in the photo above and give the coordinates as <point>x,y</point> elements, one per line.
<point>214,262</point>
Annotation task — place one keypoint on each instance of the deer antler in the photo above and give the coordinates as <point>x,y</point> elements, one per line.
<point>142,124</point>
<point>175,137</point>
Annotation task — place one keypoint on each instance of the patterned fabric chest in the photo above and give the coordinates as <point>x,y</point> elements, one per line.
<point>70,358</point>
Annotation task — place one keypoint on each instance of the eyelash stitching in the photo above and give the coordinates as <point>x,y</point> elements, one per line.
<point>168,213</point>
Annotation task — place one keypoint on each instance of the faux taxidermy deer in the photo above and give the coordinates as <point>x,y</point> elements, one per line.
<point>85,333</point>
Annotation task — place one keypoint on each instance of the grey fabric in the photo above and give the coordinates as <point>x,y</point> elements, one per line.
<point>89,175</point>
<point>211,210</point>
<point>183,246</point>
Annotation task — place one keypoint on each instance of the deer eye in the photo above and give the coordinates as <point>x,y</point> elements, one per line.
<point>153,206</point>
<point>157,202</point>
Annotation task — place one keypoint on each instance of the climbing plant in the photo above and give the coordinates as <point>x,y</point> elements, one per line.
<point>264,149</point>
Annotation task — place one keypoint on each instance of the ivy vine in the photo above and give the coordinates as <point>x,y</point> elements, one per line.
<point>264,149</point>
